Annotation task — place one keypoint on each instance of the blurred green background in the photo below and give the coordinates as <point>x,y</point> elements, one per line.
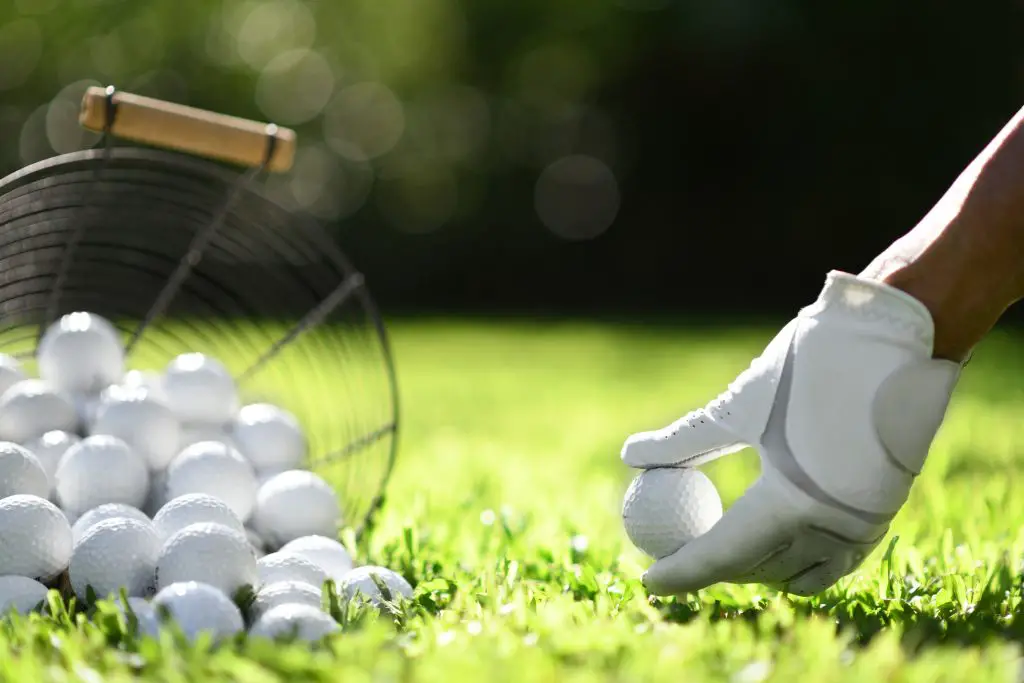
<point>584,156</point>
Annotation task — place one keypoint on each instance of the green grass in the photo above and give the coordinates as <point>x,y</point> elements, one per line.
<point>504,509</point>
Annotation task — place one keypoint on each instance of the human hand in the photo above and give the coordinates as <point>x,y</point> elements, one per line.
<point>842,407</point>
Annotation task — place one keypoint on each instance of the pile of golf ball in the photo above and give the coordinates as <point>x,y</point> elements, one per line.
<point>163,486</point>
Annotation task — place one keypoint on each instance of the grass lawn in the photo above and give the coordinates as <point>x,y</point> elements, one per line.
<point>504,508</point>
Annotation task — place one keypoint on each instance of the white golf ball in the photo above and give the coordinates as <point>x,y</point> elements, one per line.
<point>142,421</point>
<point>32,407</point>
<point>101,469</point>
<point>326,553</point>
<point>49,448</point>
<point>298,621</point>
<point>211,553</point>
<point>11,372</point>
<point>21,472</point>
<point>35,538</point>
<point>104,512</point>
<point>200,389</point>
<point>667,507</point>
<point>194,508</point>
<point>20,594</point>
<point>216,469</point>
<point>294,504</point>
<point>151,382</point>
<point>81,353</point>
<point>288,567</point>
<point>199,608</point>
<point>284,593</point>
<point>195,433</point>
<point>359,583</point>
<point>147,623</point>
<point>270,437</point>
<point>114,554</point>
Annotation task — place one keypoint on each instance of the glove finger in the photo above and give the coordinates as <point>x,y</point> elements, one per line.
<point>691,440</point>
<point>755,529</point>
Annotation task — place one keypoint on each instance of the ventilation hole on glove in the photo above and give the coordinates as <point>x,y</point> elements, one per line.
<point>702,421</point>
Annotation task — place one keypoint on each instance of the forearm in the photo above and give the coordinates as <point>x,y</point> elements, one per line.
<point>965,259</point>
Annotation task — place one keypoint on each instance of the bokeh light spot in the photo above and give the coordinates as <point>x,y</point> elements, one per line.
<point>577,197</point>
<point>365,121</point>
<point>21,45</point>
<point>266,29</point>
<point>35,6</point>
<point>63,131</point>
<point>32,143</point>
<point>294,87</point>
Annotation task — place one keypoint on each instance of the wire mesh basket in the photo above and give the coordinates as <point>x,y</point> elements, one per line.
<point>176,243</point>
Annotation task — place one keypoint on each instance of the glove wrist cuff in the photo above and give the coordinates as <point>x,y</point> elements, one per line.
<point>875,301</point>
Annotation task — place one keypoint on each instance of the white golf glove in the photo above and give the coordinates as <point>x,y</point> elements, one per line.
<point>842,406</point>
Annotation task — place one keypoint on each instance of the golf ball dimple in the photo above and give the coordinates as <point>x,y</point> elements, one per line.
<point>294,504</point>
<point>667,507</point>
<point>200,389</point>
<point>35,538</point>
<point>32,407</point>
<point>211,553</point>
<point>269,436</point>
<point>216,469</point>
<point>21,472</point>
<point>114,554</point>
<point>194,508</point>
<point>81,353</point>
<point>142,421</point>
<point>101,469</point>
<point>104,512</point>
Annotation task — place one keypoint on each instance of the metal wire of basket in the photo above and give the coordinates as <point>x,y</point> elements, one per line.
<point>185,254</point>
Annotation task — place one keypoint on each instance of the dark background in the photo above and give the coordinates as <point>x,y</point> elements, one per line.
<point>732,151</point>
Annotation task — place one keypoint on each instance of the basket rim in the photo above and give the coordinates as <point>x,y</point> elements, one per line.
<point>208,168</point>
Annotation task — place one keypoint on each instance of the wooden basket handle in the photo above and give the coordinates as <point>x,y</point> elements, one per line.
<point>186,129</point>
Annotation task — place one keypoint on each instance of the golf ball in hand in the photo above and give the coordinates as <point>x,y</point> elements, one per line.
<point>667,507</point>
